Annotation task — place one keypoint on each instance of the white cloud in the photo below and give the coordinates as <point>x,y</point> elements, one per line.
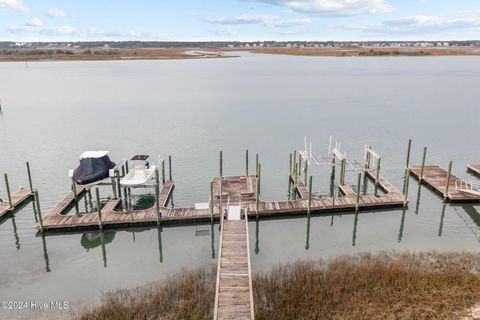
<point>65,30</point>
<point>334,7</point>
<point>55,13</point>
<point>425,24</point>
<point>35,23</point>
<point>262,19</point>
<point>224,32</point>
<point>15,5</point>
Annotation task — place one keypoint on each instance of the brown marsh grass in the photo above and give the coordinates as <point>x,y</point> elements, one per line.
<point>384,286</point>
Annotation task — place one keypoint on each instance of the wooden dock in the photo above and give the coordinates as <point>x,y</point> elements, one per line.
<point>18,197</point>
<point>233,293</point>
<point>235,188</point>
<point>474,169</point>
<point>435,178</point>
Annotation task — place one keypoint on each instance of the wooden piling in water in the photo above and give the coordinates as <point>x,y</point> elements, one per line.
<point>377,173</point>
<point>221,164</point>
<point>405,190</point>
<point>7,186</point>
<point>290,170</point>
<point>157,194</point>
<point>170,167</point>
<point>309,195</point>
<point>163,171</point>
<point>29,177</point>
<point>449,173</point>
<point>424,156</point>
<point>259,176</point>
<point>409,147</point>
<point>246,162</point>
<point>256,164</point>
<point>211,201</point>
<point>99,210</point>
<point>257,192</point>
<point>306,171</point>
<point>114,188</point>
<point>39,211</point>
<point>357,199</point>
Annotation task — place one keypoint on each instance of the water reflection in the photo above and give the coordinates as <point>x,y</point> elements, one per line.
<point>307,241</point>
<point>45,254</point>
<point>417,205</point>
<point>159,238</point>
<point>257,233</point>
<point>440,228</point>
<point>355,223</point>
<point>15,233</point>
<point>402,224</point>
<point>95,239</point>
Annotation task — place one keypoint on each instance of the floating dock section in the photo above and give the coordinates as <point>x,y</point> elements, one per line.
<point>18,198</point>
<point>474,169</point>
<point>436,178</point>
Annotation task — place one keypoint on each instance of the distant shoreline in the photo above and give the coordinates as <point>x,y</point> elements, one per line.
<point>108,54</point>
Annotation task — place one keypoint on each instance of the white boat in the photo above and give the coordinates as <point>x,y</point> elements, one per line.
<point>140,174</point>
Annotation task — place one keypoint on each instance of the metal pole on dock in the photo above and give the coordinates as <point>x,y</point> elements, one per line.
<point>163,171</point>
<point>357,200</point>
<point>221,164</point>
<point>100,223</point>
<point>37,200</point>
<point>377,173</point>
<point>449,173</point>
<point>246,162</point>
<point>309,195</point>
<point>423,164</point>
<point>29,177</point>
<point>157,194</point>
<point>409,147</point>
<point>405,190</point>
<point>7,186</point>
<point>170,167</point>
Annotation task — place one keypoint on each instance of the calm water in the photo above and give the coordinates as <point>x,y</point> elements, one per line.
<point>191,109</point>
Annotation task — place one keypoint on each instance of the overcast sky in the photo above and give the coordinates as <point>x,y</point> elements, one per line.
<point>244,20</point>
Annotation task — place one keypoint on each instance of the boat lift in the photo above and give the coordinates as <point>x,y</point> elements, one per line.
<point>468,186</point>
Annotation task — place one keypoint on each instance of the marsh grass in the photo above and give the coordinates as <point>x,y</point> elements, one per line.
<point>383,286</point>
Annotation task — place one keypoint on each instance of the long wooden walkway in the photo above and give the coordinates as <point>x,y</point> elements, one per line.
<point>18,197</point>
<point>474,168</point>
<point>233,293</point>
<point>435,178</point>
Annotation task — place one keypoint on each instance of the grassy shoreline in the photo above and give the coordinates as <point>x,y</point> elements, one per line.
<point>107,54</point>
<point>388,285</point>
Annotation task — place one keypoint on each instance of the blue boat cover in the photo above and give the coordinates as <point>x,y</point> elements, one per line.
<point>92,170</point>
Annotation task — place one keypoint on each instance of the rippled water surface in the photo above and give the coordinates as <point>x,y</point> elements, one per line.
<point>191,109</point>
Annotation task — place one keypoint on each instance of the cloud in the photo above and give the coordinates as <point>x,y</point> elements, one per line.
<point>65,30</point>
<point>15,5</point>
<point>35,23</point>
<point>55,13</point>
<point>224,32</point>
<point>425,24</point>
<point>334,7</point>
<point>262,19</point>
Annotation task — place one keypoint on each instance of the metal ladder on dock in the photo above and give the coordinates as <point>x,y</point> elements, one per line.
<point>233,293</point>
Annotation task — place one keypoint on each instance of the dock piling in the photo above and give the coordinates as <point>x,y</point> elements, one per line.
<point>290,171</point>
<point>256,164</point>
<point>257,192</point>
<point>211,201</point>
<point>405,189</point>
<point>29,177</point>
<point>259,176</point>
<point>221,164</point>
<point>449,173</point>
<point>99,210</point>
<point>157,194</point>
<point>377,173</point>
<point>170,167</point>
<point>357,199</point>
<point>409,147</point>
<point>309,195</point>
<point>163,171</point>
<point>306,171</point>
<point>246,162</point>
<point>424,156</point>
<point>7,186</point>
<point>40,219</point>
<point>114,188</point>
